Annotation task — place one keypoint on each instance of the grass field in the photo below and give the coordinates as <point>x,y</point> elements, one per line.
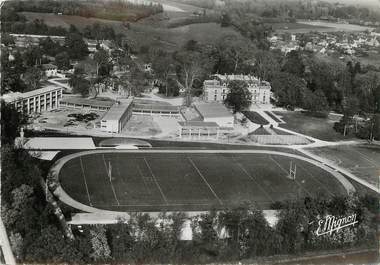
<point>320,128</point>
<point>147,32</point>
<point>190,181</point>
<point>361,160</point>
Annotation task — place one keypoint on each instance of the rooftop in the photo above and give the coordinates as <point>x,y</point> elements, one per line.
<point>212,110</point>
<point>118,109</point>
<point>59,143</point>
<point>49,66</point>
<point>198,124</point>
<point>87,101</point>
<point>10,97</point>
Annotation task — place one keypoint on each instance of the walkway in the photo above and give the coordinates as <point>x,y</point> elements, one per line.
<point>64,197</point>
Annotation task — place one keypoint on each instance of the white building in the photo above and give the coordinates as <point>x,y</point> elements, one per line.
<point>50,69</point>
<point>117,116</point>
<point>215,112</point>
<point>35,101</point>
<point>216,90</point>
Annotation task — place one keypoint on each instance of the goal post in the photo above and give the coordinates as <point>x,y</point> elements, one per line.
<point>110,171</point>
<point>292,171</point>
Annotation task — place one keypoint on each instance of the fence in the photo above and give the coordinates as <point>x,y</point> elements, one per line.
<point>279,139</point>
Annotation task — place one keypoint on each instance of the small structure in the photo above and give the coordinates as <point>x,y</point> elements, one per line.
<point>38,100</point>
<point>50,69</point>
<point>118,115</point>
<point>215,112</point>
<point>198,130</point>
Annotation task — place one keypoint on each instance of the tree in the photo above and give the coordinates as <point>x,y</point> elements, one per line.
<point>288,90</point>
<point>75,46</point>
<point>62,60</point>
<point>102,59</point>
<point>79,83</point>
<point>266,65</point>
<point>294,64</point>
<point>51,245</point>
<point>233,54</point>
<point>32,78</point>
<point>315,102</point>
<point>190,66</point>
<point>163,67</point>
<point>11,122</point>
<point>225,20</point>
<point>238,96</point>
<point>100,247</point>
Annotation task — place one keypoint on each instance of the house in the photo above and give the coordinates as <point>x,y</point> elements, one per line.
<point>215,112</point>
<point>35,101</point>
<point>117,116</point>
<point>216,90</point>
<point>50,69</point>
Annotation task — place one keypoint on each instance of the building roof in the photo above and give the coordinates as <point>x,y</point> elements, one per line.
<point>212,110</point>
<point>198,124</point>
<point>155,107</point>
<point>87,101</point>
<point>59,143</point>
<point>10,97</point>
<point>118,109</point>
<point>49,66</point>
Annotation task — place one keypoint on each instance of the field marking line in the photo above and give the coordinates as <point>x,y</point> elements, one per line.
<point>155,180</point>
<point>110,180</point>
<point>299,185</point>
<point>143,179</point>
<point>252,178</point>
<point>323,185</point>
<point>85,181</point>
<point>204,179</point>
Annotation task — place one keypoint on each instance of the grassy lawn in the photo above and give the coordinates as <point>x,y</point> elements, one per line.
<point>361,160</point>
<point>153,181</point>
<point>148,32</point>
<point>320,128</point>
<point>255,117</point>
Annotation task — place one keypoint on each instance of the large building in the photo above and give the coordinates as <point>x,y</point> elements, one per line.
<point>216,89</point>
<point>117,116</point>
<point>35,101</point>
<point>215,112</point>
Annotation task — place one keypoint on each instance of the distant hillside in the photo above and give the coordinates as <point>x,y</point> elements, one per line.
<point>127,10</point>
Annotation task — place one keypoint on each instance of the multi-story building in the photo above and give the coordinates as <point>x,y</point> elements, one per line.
<point>117,116</point>
<point>216,90</point>
<point>35,101</point>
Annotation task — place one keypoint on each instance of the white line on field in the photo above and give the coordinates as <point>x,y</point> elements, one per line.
<point>85,181</point>
<point>155,180</point>
<point>204,179</point>
<point>110,179</point>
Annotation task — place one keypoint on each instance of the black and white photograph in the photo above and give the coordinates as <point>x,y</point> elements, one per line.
<point>190,132</point>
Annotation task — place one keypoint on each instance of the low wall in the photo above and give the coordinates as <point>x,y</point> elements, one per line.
<point>279,139</point>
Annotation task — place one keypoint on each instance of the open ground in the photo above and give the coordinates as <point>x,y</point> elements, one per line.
<point>192,180</point>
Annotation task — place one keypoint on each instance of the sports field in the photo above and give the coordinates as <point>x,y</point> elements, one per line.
<point>180,181</point>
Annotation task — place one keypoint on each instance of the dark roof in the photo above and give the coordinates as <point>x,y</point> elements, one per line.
<point>198,124</point>
<point>155,107</point>
<point>90,102</point>
<point>212,110</point>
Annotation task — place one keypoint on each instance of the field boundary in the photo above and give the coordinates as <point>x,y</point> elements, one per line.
<point>64,197</point>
